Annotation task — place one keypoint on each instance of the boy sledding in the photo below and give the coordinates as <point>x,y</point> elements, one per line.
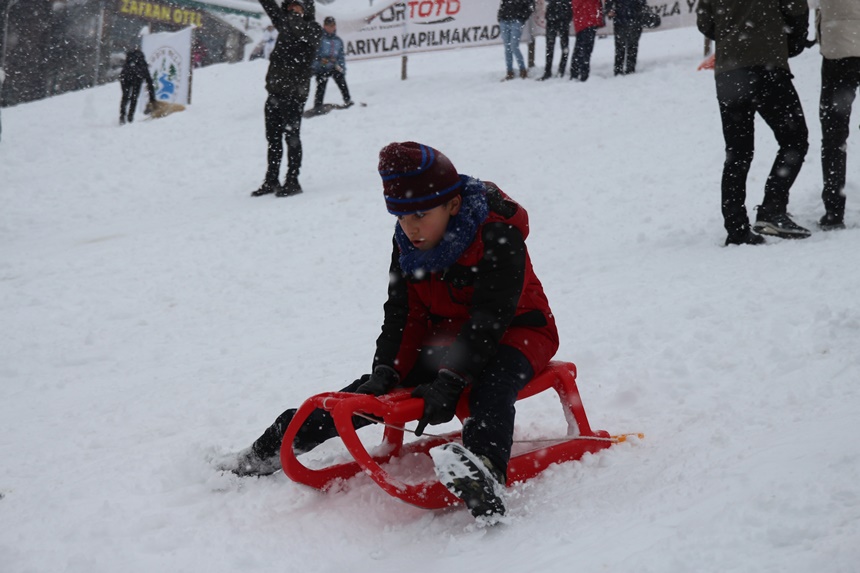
<point>464,310</point>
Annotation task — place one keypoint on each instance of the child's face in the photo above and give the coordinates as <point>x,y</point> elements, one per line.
<point>330,28</point>
<point>427,228</point>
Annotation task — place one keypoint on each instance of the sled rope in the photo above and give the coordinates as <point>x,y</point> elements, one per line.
<point>617,439</point>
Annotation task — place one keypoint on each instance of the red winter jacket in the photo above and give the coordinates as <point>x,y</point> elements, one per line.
<point>490,296</point>
<point>587,14</point>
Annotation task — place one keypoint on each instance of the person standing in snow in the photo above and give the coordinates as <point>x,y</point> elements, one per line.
<point>512,16</point>
<point>134,72</point>
<point>558,17</point>
<point>752,76</point>
<point>288,83</point>
<point>838,30</point>
<point>330,63</point>
<point>587,18</point>
<point>627,24</point>
<point>464,309</point>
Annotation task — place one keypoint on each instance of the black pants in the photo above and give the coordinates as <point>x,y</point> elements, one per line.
<point>839,82</point>
<point>770,93</point>
<point>562,32</point>
<point>130,93</point>
<point>626,48</point>
<point>283,118</point>
<point>487,432</point>
<point>322,80</point>
<point>580,65</point>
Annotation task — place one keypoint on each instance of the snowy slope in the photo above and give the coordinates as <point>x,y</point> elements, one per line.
<point>156,317</point>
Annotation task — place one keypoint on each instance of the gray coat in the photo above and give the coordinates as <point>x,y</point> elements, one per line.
<point>750,33</point>
<point>838,28</point>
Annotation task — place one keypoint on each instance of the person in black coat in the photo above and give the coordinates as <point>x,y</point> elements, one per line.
<point>559,13</point>
<point>288,83</point>
<point>134,72</point>
<point>628,24</point>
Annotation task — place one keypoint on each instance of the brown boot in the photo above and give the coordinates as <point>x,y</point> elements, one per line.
<point>508,76</point>
<point>524,74</point>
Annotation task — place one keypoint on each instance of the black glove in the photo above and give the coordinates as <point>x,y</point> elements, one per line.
<point>383,379</point>
<point>440,399</point>
<point>796,46</point>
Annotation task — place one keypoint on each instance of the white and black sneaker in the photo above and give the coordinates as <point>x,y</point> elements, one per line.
<point>778,225</point>
<point>471,478</point>
<point>249,463</point>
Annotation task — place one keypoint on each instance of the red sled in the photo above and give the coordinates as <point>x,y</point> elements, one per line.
<point>398,408</point>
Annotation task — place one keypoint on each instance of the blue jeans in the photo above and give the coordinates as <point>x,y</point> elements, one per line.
<point>512,31</point>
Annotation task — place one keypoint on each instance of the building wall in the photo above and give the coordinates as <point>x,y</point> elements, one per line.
<point>55,46</point>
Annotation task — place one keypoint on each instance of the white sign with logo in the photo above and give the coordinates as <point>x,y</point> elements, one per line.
<point>169,57</point>
<point>401,27</point>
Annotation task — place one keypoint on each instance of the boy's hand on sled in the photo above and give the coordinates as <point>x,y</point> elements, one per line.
<point>383,379</point>
<point>440,399</point>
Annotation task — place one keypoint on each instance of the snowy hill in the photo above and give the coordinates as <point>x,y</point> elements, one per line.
<point>156,317</point>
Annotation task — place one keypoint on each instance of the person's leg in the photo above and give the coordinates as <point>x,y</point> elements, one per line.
<point>489,430</point>
<point>123,104</point>
<point>132,102</point>
<point>839,81</point>
<point>292,112</point>
<point>319,426</point>
<point>316,429</point>
<point>506,28</point>
<point>564,39</point>
<point>735,93</point>
<point>516,34</point>
<point>588,36</point>
<point>576,58</point>
<point>632,49</point>
<point>275,125</point>
<point>780,108</point>
<point>620,50</point>
<point>550,51</point>
<point>319,94</point>
<point>340,81</point>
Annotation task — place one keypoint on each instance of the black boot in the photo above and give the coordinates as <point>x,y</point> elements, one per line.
<point>266,188</point>
<point>291,185</point>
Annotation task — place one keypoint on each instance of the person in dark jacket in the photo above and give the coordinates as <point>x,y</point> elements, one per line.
<point>753,76</point>
<point>627,26</point>
<point>288,83</point>
<point>558,17</point>
<point>330,63</point>
<point>464,309</point>
<point>512,16</point>
<point>587,18</point>
<point>839,35</point>
<point>134,72</point>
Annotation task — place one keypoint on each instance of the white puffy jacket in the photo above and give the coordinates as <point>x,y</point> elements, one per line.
<point>838,28</point>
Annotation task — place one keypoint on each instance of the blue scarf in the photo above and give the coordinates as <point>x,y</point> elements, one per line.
<point>458,235</point>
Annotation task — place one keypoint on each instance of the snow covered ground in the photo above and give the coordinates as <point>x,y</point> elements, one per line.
<point>156,317</point>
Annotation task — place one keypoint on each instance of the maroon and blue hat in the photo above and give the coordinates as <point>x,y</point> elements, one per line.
<point>416,177</point>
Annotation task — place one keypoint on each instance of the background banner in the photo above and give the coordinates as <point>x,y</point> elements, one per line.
<point>169,58</point>
<point>394,28</point>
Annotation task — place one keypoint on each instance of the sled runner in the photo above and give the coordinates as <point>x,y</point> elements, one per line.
<point>398,408</point>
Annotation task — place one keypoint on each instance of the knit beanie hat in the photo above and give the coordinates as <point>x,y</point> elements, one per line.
<point>416,177</point>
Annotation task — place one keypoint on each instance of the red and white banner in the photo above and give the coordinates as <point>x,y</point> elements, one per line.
<point>397,27</point>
